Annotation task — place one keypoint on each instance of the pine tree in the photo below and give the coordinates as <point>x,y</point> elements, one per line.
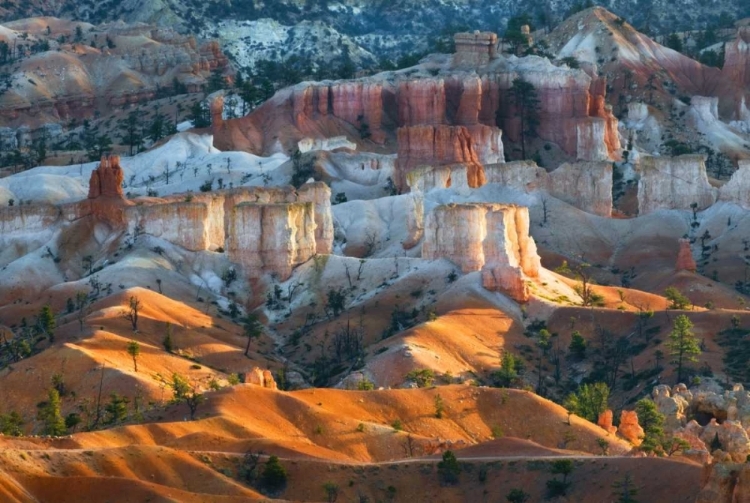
<point>134,350</point>
<point>682,344</point>
<point>54,424</point>
<point>526,101</point>
<point>46,322</point>
<point>625,490</point>
<point>652,422</point>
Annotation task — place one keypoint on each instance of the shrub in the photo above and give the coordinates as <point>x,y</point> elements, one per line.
<point>423,377</point>
<point>274,475</point>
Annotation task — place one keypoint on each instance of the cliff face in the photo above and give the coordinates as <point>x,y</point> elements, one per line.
<point>737,59</point>
<point>585,185</point>
<point>492,238</point>
<point>674,183</point>
<point>572,114</point>
<point>181,223</point>
<point>355,102</point>
<point>271,237</point>
<point>435,146</point>
<point>737,189</point>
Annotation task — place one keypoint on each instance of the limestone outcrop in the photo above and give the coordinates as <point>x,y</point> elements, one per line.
<point>674,183</point>
<point>327,144</point>
<point>685,260</point>
<point>106,180</point>
<point>520,175</point>
<point>492,238</point>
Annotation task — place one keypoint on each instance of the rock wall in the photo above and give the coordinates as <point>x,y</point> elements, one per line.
<point>590,140</point>
<point>569,100</point>
<point>520,175</point>
<point>674,183</point>
<point>26,219</point>
<point>181,223</point>
<point>271,238</point>
<point>436,146</point>
<point>585,185</point>
<point>737,59</point>
<point>356,102</point>
<point>421,101</point>
<point>492,238</point>
<point>737,189</point>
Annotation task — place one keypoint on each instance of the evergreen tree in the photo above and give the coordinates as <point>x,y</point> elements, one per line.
<point>134,350</point>
<point>526,101</point>
<point>200,115</point>
<point>131,131</point>
<point>652,422</point>
<point>50,415</point>
<point>682,344</point>
<point>46,322</point>
<point>252,330</point>
<point>589,401</point>
<point>625,490</point>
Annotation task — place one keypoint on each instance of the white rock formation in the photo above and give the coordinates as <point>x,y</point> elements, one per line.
<point>492,238</point>
<point>674,183</point>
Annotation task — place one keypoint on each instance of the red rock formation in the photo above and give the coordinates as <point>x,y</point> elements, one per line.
<point>106,180</point>
<point>474,49</point>
<point>355,102</point>
<point>261,377</point>
<point>685,260</point>
<point>421,102</point>
<point>436,146</point>
<point>605,422</point>
<point>629,427</point>
<point>217,111</point>
<point>737,59</point>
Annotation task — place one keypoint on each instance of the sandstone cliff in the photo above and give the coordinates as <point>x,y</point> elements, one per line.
<point>674,183</point>
<point>435,146</point>
<point>271,237</point>
<point>573,113</point>
<point>492,238</point>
